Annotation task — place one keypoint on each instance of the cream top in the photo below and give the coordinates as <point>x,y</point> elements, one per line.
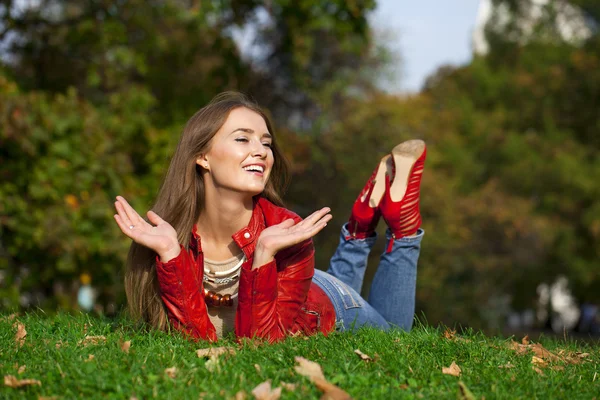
<point>223,318</point>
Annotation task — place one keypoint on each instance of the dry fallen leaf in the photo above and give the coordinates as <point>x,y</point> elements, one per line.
<point>449,333</point>
<point>90,358</point>
<point>11,381</point>
<point>558,368</point>
<point>171,372</point>
<point>453,369</point>
<point>59,344</point>
<point>288,386</point>
<point>125,346</point>
<point>264,392</point>
<point>525,340</point>
<point>308,368</point>
<point>212,364</point>
<point>313,371</point>
<point>21,333</point>
<point>538,361</point>
<point>214,351</point>
<point>539,371</point>
<point>88,340</point>
<point>241,395</point>
<point>21,369</point>
<point>541,352</point>
<point>363,356</point>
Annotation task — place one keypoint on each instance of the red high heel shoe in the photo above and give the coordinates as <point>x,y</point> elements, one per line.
<point>365,212</point>
<point>400,203</point>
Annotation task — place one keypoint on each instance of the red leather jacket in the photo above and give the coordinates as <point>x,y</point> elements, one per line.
<point>275,300</point>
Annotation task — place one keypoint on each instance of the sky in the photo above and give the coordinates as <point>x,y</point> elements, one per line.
<point>425,34</point>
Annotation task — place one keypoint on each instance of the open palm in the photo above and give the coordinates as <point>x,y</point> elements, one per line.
<point>288,233</point>
<point>160,237</point>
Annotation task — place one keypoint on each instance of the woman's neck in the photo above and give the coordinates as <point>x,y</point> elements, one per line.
<point>223,215</point>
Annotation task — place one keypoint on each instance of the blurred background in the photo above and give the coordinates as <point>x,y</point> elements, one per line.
<point>506,93</point>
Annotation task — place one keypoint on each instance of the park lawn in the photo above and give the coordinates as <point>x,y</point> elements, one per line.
<point>55,352</point>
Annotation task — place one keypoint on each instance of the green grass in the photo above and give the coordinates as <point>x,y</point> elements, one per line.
<point>407,365</point>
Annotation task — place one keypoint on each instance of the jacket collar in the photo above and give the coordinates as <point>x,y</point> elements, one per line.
<point>246,237</point>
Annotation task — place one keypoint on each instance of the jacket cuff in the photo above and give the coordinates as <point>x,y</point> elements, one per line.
<point>169,265</point>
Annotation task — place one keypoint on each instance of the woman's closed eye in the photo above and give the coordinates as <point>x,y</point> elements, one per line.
<point>245,140</point>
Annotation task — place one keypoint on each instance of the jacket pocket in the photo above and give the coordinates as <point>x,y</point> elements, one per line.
<point>309,319</point>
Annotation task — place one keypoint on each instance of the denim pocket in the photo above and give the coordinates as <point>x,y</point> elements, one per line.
<point>350,299</point>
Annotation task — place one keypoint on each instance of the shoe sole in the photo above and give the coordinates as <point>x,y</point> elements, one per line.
<point>385,167</point>
<point>404,155</point>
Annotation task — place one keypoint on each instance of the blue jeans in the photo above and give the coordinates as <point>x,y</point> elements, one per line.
<point>392,297</point>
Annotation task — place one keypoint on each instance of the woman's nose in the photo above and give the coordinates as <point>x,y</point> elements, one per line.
<point>259,149</point>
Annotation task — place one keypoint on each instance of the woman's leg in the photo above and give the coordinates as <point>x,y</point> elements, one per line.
<point>393,288</point>
<point>351,310</point>
<point>349,262</point>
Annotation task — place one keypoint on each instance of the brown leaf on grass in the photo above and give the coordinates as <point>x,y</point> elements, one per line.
<point>449,333</point>
<point>525,340</point>
<point>308,368</point>
<point>330,391</point>
<point>507,365</point>
<point>288,386</point>
<point>453,369</point>
<point>21,333</point>
<point>10,317</point>
<point>89,340</point>
<point>538,361</point>
<point>363,356</point>
<point>264,392</point>
<point>539,371</point>
<point>11,381</point>
<point>541,352</point>
<point>214,351</point>
<point>125,346</point>
<point>241,395</point>
<point>60,344</point>
<point>403,386</point>
<point>257,368</point>
<point>21,369</point>
<point>171,372</point>
<point>558,368</point>
<point>90,358</point>
<point>313,371</point>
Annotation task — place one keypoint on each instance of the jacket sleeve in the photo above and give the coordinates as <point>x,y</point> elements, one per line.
<point>271,296</point>
<point>181,291</point>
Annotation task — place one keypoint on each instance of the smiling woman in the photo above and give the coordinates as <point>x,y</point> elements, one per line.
<point>218,253</point>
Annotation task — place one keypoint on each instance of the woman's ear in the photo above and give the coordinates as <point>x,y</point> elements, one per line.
<point>202,161</point>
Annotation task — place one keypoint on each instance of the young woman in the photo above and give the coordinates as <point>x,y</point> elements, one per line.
<point>220,254</point>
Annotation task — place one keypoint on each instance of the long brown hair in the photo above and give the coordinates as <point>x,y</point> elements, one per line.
<point>180,200</point>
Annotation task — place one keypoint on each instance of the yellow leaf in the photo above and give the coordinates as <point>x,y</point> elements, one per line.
<point>11,381</point>
<point>88,340</point>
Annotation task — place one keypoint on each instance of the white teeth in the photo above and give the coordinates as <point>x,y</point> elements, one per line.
<point>257,168</point>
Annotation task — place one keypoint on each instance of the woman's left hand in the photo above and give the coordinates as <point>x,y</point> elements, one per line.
<point>286,234</point>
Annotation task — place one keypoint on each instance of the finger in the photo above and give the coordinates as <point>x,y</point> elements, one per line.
<point>154,218</point>
<point>133,216</point>
<point>314,217</point>
<point>124,226</point>
<point>302,235</point>
<point>288,223</point>
<point>122,214</point>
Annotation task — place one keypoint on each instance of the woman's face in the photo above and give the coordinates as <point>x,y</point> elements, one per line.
<point>239,156</point>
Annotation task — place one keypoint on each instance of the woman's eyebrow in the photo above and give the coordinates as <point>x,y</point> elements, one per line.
<point>248,130</point>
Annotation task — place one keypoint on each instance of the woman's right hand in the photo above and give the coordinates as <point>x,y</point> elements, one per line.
<point>161,238</point>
